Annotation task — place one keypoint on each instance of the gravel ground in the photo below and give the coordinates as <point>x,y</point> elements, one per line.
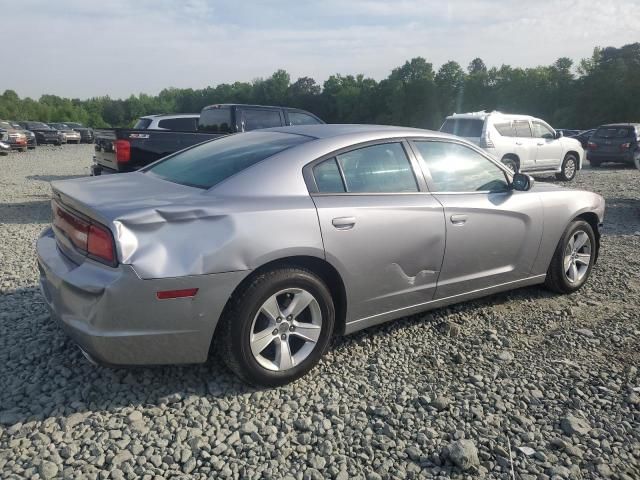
<point>527,382</point>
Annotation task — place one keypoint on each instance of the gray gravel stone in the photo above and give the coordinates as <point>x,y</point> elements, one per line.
<point>464,454</point>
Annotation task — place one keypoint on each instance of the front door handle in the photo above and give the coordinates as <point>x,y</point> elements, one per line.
<point>518,143</point>
<point>344,223</point>
<point>458,219</point>
<point>540,144</point>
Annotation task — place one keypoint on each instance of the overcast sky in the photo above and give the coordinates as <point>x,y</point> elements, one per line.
<point>83,48</point>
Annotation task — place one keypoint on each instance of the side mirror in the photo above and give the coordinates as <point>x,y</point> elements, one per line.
<point>522,182</point>
<point>559,134</point>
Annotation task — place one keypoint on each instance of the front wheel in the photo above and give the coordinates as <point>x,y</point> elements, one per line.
<point>277,328</point>
<point>573,259</point>
<point>636,159</point>
<point>568,169</point>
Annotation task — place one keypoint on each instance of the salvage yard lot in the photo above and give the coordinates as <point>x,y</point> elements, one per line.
<point>526,368</point>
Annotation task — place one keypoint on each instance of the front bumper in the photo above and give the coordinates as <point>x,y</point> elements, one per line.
<point>116,318</point>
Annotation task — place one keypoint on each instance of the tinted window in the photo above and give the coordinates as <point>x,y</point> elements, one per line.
<point>298,118</point>
<point>208,164</point>
<point>456,168</point>
<point>215,120</point>
<point>505,129</point>
<point>183,124</point>
<point>327,175</point>
<point>463,127</point>
<point>142,124</point>
<point>541,131</point>
<point>379,168</point>
<point>613,132</point>
<point>522,128</point>
<point>255,119</point>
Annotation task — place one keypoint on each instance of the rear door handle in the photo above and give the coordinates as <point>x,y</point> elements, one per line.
<point>344,223</point>
<point>458,219</point>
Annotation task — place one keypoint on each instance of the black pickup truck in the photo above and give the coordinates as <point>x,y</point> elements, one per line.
<point>127,150</point>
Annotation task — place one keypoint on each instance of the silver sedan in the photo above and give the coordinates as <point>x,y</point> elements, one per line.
<point>263,245</point>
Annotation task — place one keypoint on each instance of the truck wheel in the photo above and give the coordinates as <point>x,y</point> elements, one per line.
<point>277,327</point>
<point>568,169</point>
<point>511,163</point>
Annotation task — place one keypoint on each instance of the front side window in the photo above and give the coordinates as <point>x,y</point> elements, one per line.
<point>299,118</point>
<point>256,119</point>
<point>208,164</point>
<point>382,168</point>
<point>457,168</point>
<point>523,129</point>
<point>540,130</point>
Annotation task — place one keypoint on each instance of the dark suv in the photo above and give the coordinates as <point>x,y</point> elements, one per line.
<point>615,143</point>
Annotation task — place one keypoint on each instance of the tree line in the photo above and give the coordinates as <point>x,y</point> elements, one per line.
<point>600,89</point>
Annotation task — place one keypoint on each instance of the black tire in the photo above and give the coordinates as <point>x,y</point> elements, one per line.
<point>511,163</point>
<point>556,279</point>
<point>595,163</point>
<point>232,340</point>
<point>569,168</point>
<point>636,159</point>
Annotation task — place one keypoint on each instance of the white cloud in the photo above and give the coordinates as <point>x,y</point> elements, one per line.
<point>80,48</point>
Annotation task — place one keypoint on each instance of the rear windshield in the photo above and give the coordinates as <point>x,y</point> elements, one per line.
<point>463,127</point>
<point>142,124</point>
<point>210,163</point>
<point>215,120</point>
<point>613,132</point>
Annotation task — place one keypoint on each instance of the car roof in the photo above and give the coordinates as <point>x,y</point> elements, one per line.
<point>615,125</point>
<point>174,115</point>
<point>331,130</point>
<point>482,115</point>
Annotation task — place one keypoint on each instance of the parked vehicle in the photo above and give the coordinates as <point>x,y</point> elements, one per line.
<point>584,136</point>
<point>16,139</point>
<point>523,143</point>
<point>69,135</point>
<point>127,150</point>
<point>86,133</point>
<point>5,148</point>
<point>181,122</point>
<point>618,142</point>
<point>31,137</point>
<point>44,133</point>
<point>264,244</point>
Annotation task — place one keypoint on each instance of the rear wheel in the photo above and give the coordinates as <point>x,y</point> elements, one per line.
<point>573,259</point>
<point>636,159</point>
<point>277,328</point>
<point>568,169</point>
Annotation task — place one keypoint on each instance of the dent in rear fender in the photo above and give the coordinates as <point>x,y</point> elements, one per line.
<point>239,235</point>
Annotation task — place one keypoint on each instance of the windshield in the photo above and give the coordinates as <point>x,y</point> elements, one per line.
<point>37,126</point>
<point>613,132</point>
<point>210,163</point>
<point>75,125</point>
<point>463,127</point>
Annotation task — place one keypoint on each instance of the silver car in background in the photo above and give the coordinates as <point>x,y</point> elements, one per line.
<point>263,245</point>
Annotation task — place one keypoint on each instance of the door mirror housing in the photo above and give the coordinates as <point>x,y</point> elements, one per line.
<point>522,182</point>
<point>559,135</point>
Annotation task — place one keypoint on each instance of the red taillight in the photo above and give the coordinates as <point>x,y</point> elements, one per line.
<point>100,243</point>
<point>89,238</point>
<point>592,146</point>
<point>625,146</point>
<point>123,151</point>
<point>166,294</point>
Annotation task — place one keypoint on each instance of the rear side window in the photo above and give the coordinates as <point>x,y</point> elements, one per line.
<point>613,132</point>
<point>523,129</point>
<point>142,124</point>
<point>256,119</point>
<point>328,178</point>
<point>215,120</point>
<point>183,124</point>
<point>381,168</point>
<point>463,127</point>
<point>505,129</point>
<point>210,163</point>
<point>299,118</point>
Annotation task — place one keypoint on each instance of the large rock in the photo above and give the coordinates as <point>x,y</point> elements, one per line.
<point>464,454</point>
<point>574,426</point>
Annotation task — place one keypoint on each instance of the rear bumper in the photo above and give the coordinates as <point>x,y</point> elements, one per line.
<point>116,318</point>
<point>622,157</point>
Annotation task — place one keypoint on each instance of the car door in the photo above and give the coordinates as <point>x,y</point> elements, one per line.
<point>380,229</point>
<point>493,232</point>
<point>256,118</point>
<point>549,148</point>
<point>525,144</point>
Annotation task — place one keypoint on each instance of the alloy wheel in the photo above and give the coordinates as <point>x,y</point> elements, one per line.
<point>577,256</point>
<point>286,329</point>
<point>570,168</point>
